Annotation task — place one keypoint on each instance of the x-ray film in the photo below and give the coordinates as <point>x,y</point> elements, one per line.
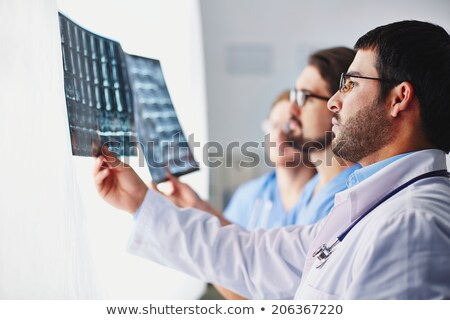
<point>158,131</point>
<point>98,96</point>
<point>120,101</point>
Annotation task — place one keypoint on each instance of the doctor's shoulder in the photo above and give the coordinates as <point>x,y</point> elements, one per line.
<point>414,214</point>
<point>255,187</point>
<point>244,197</point>
<point>404,245</point>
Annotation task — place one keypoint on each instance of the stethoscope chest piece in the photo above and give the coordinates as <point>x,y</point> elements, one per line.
<point>323,253</point>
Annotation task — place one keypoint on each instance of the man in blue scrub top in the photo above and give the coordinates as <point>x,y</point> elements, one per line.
<point>261,203</point>
<point>275,198</point>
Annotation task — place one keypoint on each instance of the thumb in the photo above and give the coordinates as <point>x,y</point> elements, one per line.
<point>153,186</point>
<point>171,178</point>
<point>111,160</point>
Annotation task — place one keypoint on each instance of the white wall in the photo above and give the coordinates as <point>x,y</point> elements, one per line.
<point>289,30</point>
<point>44,253</point>
<point>58,240</point>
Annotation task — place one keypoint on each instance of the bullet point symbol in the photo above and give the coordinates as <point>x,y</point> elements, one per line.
<point>262,309</point>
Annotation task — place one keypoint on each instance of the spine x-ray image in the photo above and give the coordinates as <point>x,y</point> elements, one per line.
<point>120,101</point>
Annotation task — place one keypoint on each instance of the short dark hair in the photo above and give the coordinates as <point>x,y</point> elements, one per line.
<point>331,63</point>
<point>419,53</point>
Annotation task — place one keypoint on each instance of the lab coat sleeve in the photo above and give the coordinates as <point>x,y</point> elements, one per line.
<point>408,257</point>
<point>264,264</point>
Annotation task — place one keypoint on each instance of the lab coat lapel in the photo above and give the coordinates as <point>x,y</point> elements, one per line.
<point>368,192</point>
<point>337,221</point>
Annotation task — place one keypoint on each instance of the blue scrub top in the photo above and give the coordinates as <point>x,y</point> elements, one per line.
<point>257,203</point>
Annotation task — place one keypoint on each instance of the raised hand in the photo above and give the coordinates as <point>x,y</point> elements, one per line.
<point>183,196</point>
<point>118,184</point>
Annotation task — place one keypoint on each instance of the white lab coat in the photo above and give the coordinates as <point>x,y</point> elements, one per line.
<point>401,250</point>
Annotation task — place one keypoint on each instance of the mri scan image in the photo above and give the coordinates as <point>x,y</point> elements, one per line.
<point>120,101</point>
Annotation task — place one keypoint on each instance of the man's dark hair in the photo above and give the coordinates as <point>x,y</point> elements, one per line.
<point>331,63</point>
<point>419,53</point>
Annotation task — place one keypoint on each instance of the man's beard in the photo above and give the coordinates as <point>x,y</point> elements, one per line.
<point>363,134</point>
<point>307,145</point>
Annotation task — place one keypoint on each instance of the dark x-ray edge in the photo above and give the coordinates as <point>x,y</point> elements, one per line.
<point>98,97</point>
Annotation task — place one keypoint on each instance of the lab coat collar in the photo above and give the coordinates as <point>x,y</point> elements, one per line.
<point>368,192</point>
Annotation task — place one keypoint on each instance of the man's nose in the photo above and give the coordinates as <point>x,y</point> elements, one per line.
<point>335,104</point>
<point>295,110</point>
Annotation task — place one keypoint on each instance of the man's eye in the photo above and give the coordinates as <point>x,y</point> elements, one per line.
<point>348,86</point>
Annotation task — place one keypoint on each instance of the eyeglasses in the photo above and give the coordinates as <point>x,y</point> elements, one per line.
<point>301,96</point>
<point>268,127</point>
<point>345,85</point>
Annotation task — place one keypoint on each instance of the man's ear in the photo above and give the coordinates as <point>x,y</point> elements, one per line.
<point>400,98</point>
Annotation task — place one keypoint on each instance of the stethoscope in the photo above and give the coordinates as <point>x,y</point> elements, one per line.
<point>324,251</point>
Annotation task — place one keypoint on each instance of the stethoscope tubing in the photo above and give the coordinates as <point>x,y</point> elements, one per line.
<point>324,252</point>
